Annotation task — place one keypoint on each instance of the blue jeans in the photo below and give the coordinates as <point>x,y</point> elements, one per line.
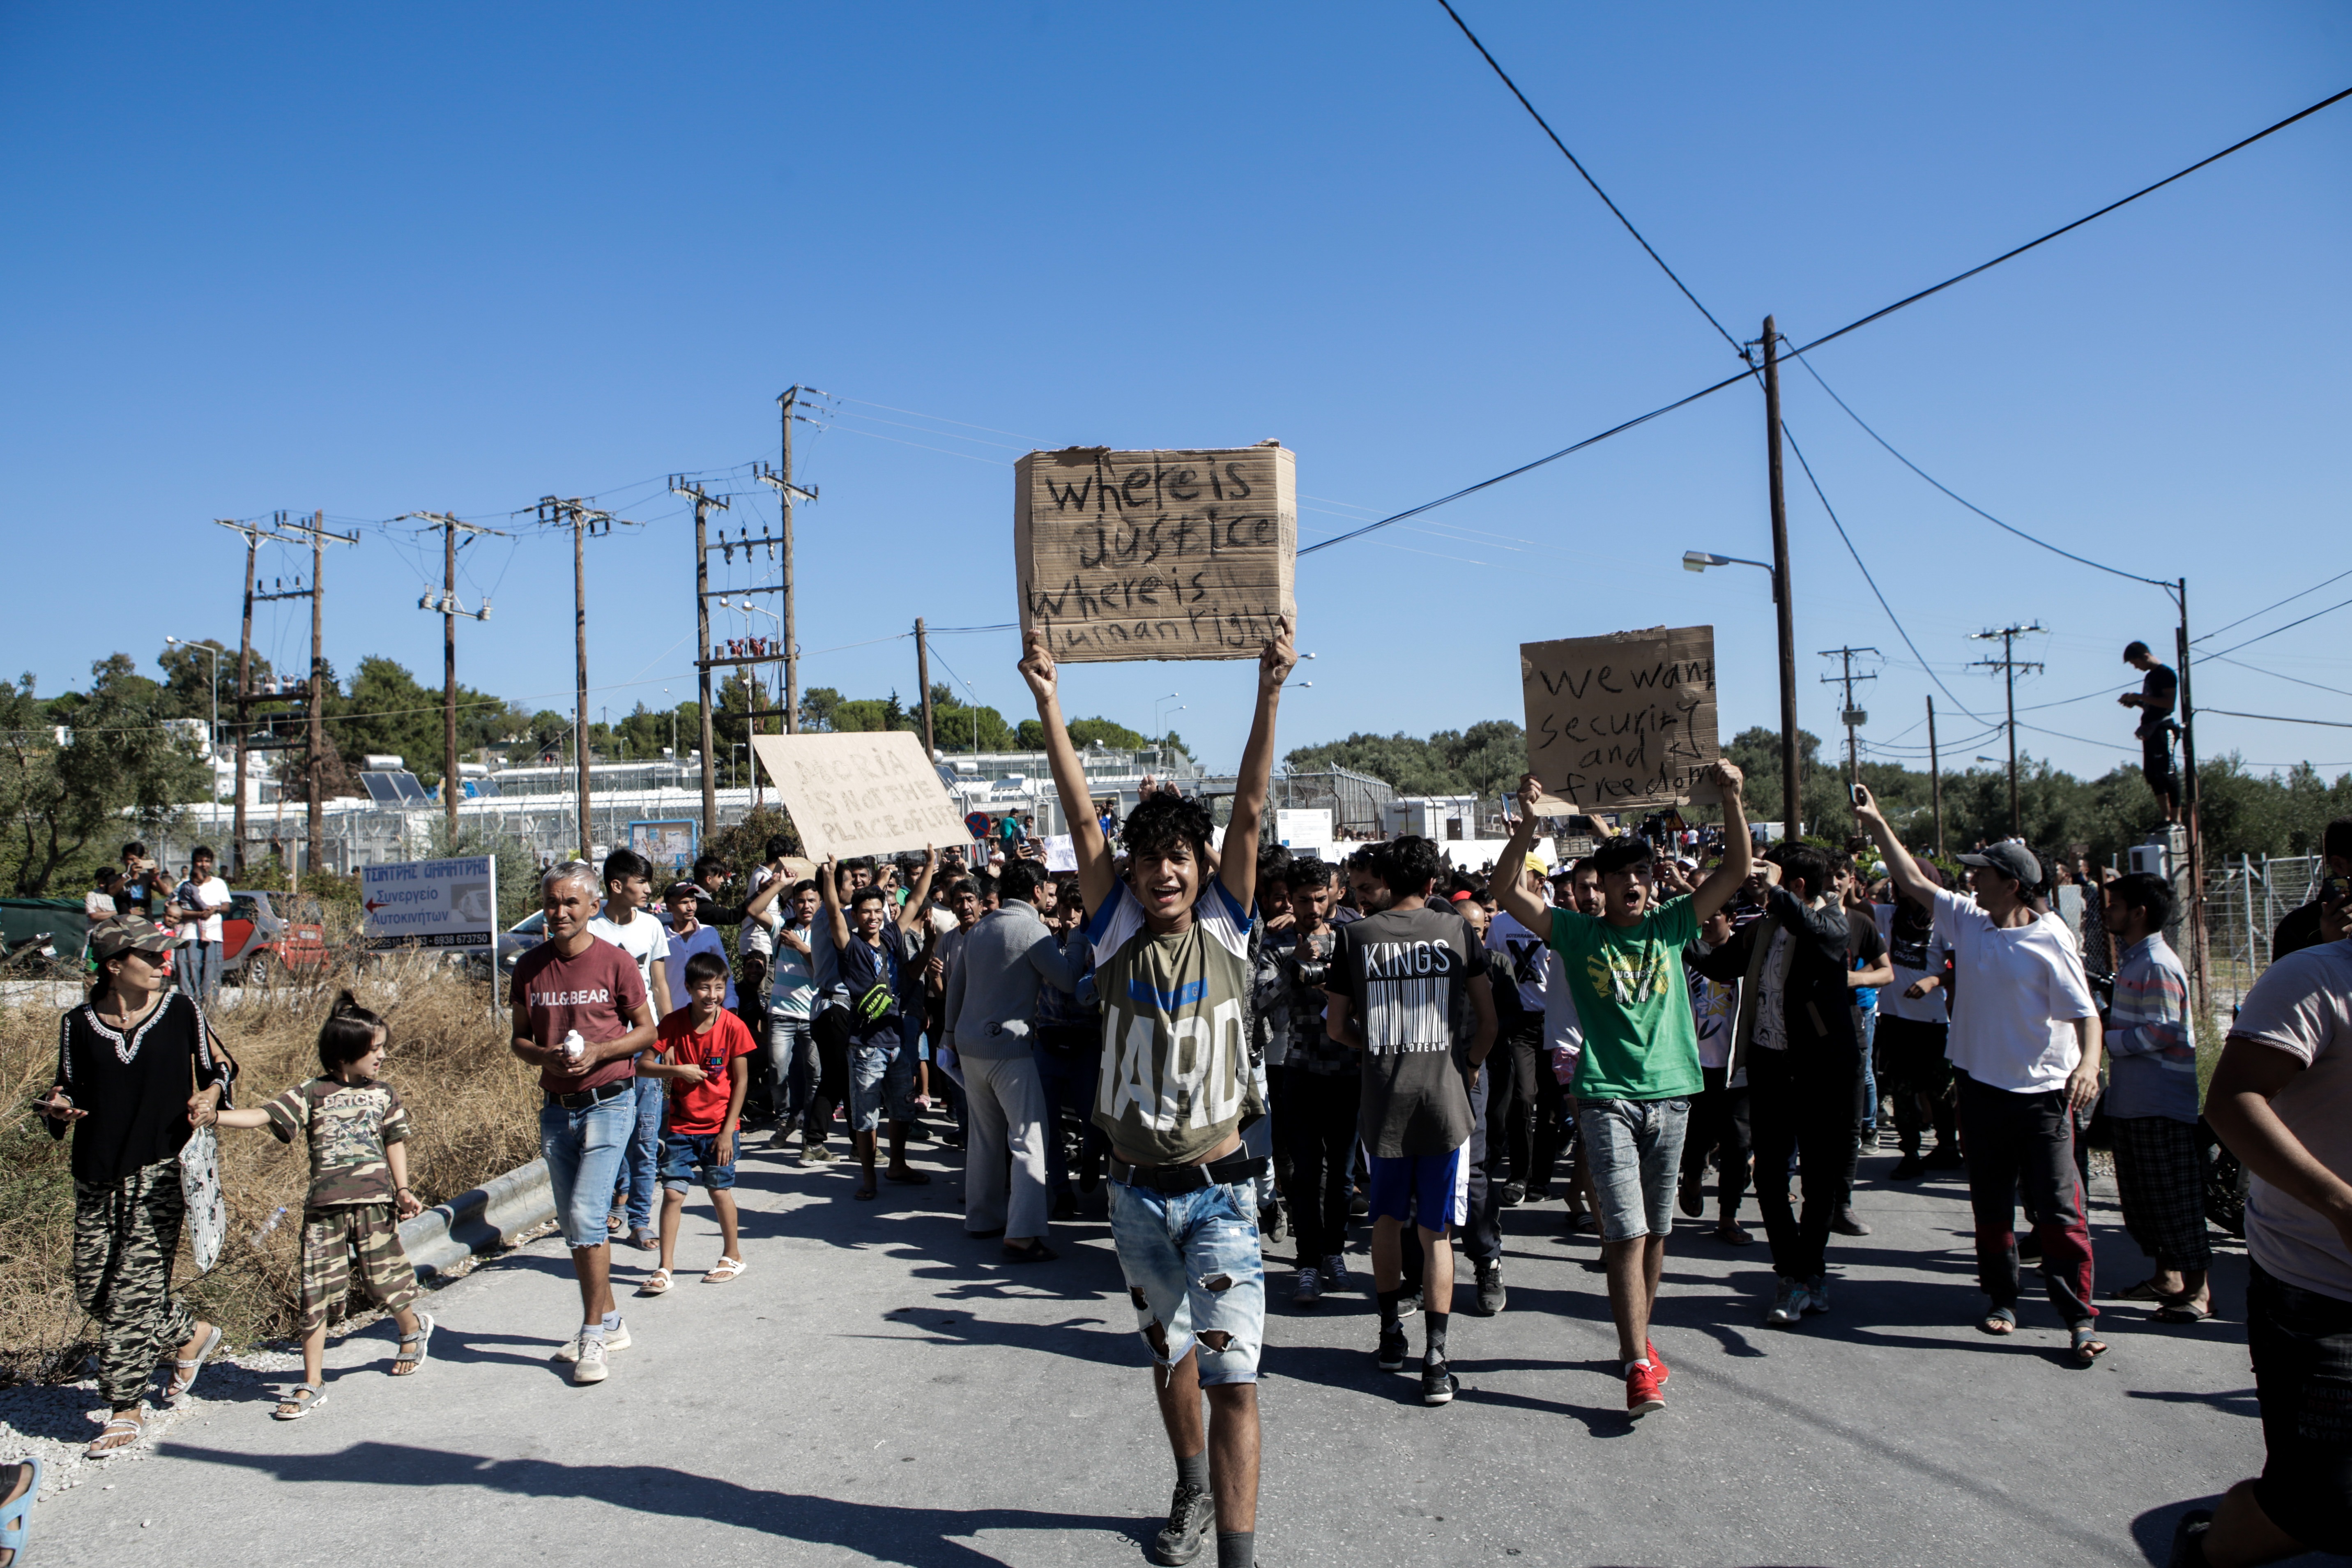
<point>792,1058</point>
<point>1869,1072</point>
<point>1634,1148</point>
<point>1195,1276</point>
<point>881,1083</point>
<point>583,1150</point>
<point>198,971</point>
<point>1069,1078</point>
<point>693,1156</point>
<point>633,1182</point>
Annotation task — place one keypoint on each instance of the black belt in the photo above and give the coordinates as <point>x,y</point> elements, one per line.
<point>1187,1178</point>
<point>582,1099</point>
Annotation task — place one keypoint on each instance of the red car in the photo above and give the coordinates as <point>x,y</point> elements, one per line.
<point>257,942</point>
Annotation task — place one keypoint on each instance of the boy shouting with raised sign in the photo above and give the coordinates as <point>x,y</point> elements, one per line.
<point>1170,945</point>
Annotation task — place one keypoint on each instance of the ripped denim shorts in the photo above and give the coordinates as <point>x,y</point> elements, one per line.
<point>1194,1273</point>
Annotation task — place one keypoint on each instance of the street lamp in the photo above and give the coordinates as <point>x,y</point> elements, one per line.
<point>1792,798</point>
<point>1155,707</point>
<point>213,744</point>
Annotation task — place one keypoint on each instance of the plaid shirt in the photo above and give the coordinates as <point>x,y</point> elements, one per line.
<point>2152,1060</point>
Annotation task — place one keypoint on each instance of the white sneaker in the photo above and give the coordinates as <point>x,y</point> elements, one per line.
<point>1335,1273</point>
<point>590,1357</point>
<point>616,1338</point>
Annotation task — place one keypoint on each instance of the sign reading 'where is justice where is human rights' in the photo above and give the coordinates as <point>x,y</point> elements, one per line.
<point>861,794</point>
<point>431,903</point>
<point>1622,720</point>
<point>1161,554</point>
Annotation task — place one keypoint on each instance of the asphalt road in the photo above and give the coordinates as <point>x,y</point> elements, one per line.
<point>876,1388</point>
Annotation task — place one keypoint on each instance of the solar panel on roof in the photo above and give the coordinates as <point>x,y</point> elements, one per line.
<point>381,788</point>
<point>412,792</point>
<point>484,787</point>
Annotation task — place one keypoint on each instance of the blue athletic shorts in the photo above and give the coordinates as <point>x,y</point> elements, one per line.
<point>1435,1185</point>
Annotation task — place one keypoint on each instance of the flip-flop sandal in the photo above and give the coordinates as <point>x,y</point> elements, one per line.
<point>1732,1236</point>
<point>725,1268</point>
<point>657,1283</point>
<point>2182,1311</point>
<point>2001,1322</point>
<point>2088,1346</point>
<point>14,1515</point>
<point>2145,1290</point>
<point>137,1429</point>
<point>185,1373</point>
<point>306,1397</point>
<point>863,1195</point>
<point>616,1221</point>
<point>908,1178</point>
<point>1035,1252</point>
<point>413,1348</point>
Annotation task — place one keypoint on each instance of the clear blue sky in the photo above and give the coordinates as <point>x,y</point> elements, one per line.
<point>462,257</point>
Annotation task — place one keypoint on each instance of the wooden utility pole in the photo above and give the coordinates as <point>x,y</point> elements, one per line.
<point>2199,953</point>
<point>244,685</point>
<point>246,699</point>
<point>1792,783</point>
<point>315,531</point>
<point>1935,779</point>
<point>2009,666</point>
<point>1852,718</point>
<point>923,680</point>
<point>703,502</point>
<point>786,493</point>
<point>450,527</point>
<point>583,520</point>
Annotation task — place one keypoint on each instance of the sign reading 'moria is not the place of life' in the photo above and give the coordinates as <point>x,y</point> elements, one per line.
<point>1625,720</point>
<point>1161,554</point>
<point>860,793</point>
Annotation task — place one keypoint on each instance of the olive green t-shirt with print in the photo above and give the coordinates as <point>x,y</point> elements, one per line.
<point>1176,1076</point>
<point>348,1126</point>
<point>1639,1040</point>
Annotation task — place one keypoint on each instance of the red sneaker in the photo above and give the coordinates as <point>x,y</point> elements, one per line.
<point>1641,1395</point>
<point>1657,1361</point>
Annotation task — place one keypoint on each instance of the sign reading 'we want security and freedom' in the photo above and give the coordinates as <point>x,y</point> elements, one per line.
<point>866,793</point>
<point>1164,555</point>
<point>1622,720</point>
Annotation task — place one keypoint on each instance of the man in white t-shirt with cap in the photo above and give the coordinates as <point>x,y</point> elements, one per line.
<point>2025,1038</point>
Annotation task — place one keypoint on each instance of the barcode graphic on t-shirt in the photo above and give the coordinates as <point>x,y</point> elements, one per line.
<point>1408,997</point>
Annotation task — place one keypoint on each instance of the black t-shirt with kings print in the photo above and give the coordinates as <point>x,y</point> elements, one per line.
<point>1407,976</point>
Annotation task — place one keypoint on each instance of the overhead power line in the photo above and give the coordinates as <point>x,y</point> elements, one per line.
<point>2266,609</point>
<point>1578,165</point>
<point>2275,630</point>
<point>1828,337</point>
<point>2011,527</point>
<point>2068,228</point>
<point>2277,717</point>
<point>1866,577</point>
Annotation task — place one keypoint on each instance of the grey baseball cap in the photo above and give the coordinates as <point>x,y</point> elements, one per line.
<point>2012,859</point>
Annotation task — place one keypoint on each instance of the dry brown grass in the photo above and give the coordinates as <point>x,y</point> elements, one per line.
<point>473,1112</point>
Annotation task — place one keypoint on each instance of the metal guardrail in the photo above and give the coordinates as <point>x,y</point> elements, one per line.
<point>446,1238</point>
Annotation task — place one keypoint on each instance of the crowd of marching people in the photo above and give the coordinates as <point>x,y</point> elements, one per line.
<point>1250,1052</point>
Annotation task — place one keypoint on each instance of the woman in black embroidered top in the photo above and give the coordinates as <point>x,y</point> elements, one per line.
<point>127,1061</point>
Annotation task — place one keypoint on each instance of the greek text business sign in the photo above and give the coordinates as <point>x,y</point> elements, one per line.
<point>432,904</point>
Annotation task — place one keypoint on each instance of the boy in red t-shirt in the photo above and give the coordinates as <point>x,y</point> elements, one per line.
<point>705,1054</point>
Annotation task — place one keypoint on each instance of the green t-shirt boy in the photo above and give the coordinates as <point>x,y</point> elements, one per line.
<point>1640,1042</point>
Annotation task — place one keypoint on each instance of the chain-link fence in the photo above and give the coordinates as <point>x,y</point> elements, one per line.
<point>2245,898</point>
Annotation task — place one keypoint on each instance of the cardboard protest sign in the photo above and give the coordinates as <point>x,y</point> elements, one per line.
<point>866,793</point>
<point>1173,554</point>
<point>1621,720</point>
